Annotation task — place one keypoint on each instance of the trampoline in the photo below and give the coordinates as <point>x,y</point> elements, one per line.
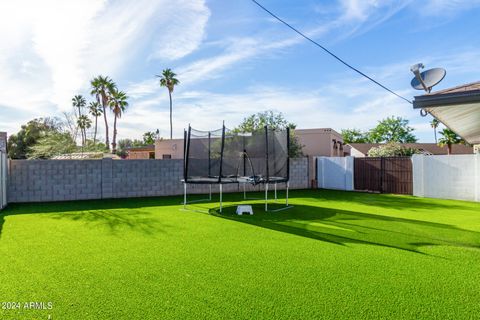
<point>224,156</point>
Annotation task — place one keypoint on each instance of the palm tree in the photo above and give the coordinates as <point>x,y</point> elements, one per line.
<point>448,139</point>
<point>118,103</point>
<point>84,123</point>
<point>79,102</point>
<point>95,110</point>
<point>434,124</point>
<point>168,80</point>
<point>102,87</point>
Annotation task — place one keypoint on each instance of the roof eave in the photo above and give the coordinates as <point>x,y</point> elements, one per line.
<point>446,99</point>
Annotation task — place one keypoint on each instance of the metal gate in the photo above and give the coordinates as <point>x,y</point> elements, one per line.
<point>3,179</point>
<point>384,174</point>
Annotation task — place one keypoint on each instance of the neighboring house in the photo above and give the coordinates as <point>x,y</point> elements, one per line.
<point>361,149</point>
<point>319,142</point>
<point>169,149</point>
<point>144,152</point>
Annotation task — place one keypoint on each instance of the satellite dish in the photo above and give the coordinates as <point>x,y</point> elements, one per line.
<point>426,80</point>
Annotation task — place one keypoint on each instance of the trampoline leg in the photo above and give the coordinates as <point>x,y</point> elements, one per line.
<point>210,195</point>
<point>287,193</point>
<point>244,192</point>
<point>220,197</point>
<point>184,195</point>
<point>275,192</point>
<point>266,196</point>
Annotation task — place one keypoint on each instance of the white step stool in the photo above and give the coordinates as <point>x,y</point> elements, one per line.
<point>244,209</point>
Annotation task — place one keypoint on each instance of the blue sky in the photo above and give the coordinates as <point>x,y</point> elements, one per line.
<point>232,59</point>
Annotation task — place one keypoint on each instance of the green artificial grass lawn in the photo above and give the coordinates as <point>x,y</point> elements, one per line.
<point>335,255</point>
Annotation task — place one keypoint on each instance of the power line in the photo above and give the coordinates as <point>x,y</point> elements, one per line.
<point>329,52</point>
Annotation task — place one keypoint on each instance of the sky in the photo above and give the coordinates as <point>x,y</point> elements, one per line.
<point>232,59</point>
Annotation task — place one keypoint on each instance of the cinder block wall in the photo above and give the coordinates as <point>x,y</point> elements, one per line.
<point>59,180</point>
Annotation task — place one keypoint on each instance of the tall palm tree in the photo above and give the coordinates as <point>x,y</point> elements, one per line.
<point>102,87</point>
<point>84,123</point>
<point>448,139</point>
<point>118,104</point>
<point>168,80</point>
<point>434,124</point>
<point>79,103</point>
<point>95,110</point>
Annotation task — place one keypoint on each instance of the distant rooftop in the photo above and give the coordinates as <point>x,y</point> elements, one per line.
<point>149,147</point>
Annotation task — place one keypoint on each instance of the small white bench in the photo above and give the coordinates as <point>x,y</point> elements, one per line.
<point>244,209</point>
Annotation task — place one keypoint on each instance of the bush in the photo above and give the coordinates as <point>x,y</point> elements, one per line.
<point>392,150</point>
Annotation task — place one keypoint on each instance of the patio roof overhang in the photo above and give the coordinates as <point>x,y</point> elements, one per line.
<point>458,108</point>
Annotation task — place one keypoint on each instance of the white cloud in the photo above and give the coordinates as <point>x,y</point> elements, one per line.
<point>446,7</point>
<point>50,49</point>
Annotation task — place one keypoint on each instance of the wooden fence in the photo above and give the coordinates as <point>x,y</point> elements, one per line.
<point>383,174</point>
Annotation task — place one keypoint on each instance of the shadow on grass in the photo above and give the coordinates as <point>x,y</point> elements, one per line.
<point>394,201</point>
<point>342,227</point>
<point>116,221</point>
<point>116,215</point>
<point>319,220</point>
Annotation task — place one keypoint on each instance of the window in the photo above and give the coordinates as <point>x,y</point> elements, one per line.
<point>151,155</point>
<point>167,156</point>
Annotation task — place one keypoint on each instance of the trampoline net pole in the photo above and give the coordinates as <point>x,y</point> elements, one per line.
<point>266,196</point>
<point>221,193</point>
<point>288,184</point>
<point>184,195</point>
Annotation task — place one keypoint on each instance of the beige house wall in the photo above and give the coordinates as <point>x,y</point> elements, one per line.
<point>173,147</point>
<point>319,142</point>
<point>138,155</point>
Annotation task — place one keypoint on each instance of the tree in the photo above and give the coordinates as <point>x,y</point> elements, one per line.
<point>273,120</point>
<point>19,143</point>
<point>448,139</point>
<point>434,124</point>
<point>392,149</point>
<point>84,123</point>
<point>392,129</point>
<point>168,80</point>
<point>354,136</point>
<point>52,144</point>
<point>79,103</point>
<point>101,88</point>
<point>118,104</point>
<point>95,109</point>
<point>150,137</point>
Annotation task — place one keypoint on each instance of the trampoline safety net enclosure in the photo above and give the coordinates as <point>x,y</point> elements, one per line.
<point>224,156</point>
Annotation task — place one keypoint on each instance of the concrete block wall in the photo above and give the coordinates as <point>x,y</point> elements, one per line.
<point>3,179</point>
<point>59,180</point>
<point>54,180</point>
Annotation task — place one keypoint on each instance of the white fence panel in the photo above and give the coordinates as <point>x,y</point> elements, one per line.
<point>335,173</point>
<point>447,177</point>
<point>3,180</point>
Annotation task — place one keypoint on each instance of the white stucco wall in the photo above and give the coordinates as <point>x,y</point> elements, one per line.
<point>447,177</point>
<point>335,173</point>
